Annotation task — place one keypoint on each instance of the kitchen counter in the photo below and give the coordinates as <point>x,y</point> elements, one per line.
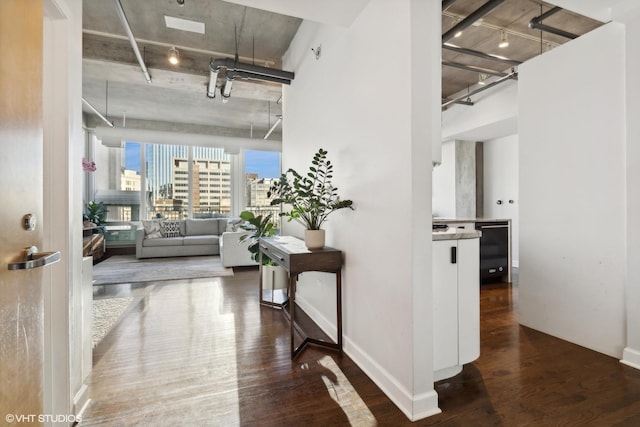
<point>455,234</point>
<point>439,220</point>
<point>495,244</point>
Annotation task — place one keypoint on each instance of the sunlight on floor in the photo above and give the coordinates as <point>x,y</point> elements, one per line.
<point>343,393</point>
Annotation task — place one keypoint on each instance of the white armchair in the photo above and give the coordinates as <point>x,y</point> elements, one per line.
<point>232,252</point>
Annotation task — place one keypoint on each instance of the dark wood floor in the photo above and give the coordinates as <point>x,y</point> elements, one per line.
<point>203,352</point>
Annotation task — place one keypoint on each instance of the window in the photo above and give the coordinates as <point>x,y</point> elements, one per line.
<point>261,168</point>
<point>144,181</point>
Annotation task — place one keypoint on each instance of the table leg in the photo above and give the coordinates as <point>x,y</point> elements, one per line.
<point>292,303</point>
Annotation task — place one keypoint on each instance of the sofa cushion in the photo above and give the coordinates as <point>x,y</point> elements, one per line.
<point>170,228</point>
<point>166,241</point>
<point>202,240</point>
<point>234,224</point>
<point>151,229</point>
<point>208,226</point>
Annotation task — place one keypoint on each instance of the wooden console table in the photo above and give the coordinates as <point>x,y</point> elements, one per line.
<point>290,253</point>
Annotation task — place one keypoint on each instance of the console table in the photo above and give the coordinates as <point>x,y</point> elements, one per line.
<point>291,253</point>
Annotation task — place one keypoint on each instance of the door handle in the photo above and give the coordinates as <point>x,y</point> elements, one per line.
<point>32,258</point>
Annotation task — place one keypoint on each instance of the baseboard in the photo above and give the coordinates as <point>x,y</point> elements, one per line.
<point>81,401</point>
<point>631,357</point>
<point>414,407</point>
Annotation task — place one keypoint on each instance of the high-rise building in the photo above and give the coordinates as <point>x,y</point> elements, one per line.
<point>211,186</point>
<point>168,179</point>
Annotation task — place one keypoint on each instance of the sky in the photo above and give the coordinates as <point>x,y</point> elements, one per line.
<point>265,163</point>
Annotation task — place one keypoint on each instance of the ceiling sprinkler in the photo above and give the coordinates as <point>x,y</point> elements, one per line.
<point>180,2</point>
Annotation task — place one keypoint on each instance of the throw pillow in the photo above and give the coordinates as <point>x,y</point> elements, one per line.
<point>170,228</point>
<point>151,229</point>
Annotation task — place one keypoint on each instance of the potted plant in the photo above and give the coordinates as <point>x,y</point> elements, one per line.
<point>311,198</point>
<point>95,213</point>
<point>273,276</point>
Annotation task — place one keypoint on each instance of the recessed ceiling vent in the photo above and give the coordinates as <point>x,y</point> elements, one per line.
<point>184,24</point>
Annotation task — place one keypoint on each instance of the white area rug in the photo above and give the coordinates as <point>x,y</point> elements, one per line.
<point>106,313</point>
<point>127,269</point>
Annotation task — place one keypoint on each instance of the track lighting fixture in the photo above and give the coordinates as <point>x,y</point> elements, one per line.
<point>226,90</point>
<point>174,56</point>
<point>504,41</point>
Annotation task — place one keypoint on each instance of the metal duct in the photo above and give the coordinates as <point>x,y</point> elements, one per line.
<point>132,40</point>
<point>536,24</point>
<point>235,69</point>
<point>473,17</point>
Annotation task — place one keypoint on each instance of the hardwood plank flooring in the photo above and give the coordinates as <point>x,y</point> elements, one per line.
<point>204,353</point>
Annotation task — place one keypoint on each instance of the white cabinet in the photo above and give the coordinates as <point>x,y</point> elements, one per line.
<point>456,298</point>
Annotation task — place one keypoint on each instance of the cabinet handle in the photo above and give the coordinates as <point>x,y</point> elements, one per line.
<point>454,255</point>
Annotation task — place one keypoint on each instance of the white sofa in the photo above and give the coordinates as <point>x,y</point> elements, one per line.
<point>234,253</point>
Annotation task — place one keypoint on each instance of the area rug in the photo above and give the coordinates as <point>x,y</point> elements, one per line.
<point>106,313</point>
<point>127,269</point>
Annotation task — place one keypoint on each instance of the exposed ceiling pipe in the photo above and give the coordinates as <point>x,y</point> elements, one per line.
<point>132,40</point>
<point>277,122</point>
<point>95,110</point>
<point>473,68</point>
<point>469,20</point>
<point>244,71</point>
<point>463,102</point>
<point>536,24</point>
<point>479,54</point>
<point>512,75</point>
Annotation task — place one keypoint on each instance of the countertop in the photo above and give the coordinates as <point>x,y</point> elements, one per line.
<point>455,234</point>
<point>439,220</point>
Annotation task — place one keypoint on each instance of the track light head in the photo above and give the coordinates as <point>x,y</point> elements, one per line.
<point>174,56</point>
<point>504,41</point>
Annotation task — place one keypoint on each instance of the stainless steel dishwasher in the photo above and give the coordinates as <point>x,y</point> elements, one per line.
<point>495,251</point>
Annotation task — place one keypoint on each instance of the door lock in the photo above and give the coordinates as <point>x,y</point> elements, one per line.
<point>29,222</point>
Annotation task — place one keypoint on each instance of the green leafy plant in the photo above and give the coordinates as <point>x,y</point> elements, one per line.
<point>311,197</point>
<point>95,212</point>
<point>257,227</point>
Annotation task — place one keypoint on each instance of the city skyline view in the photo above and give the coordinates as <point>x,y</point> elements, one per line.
<point>266,164</point>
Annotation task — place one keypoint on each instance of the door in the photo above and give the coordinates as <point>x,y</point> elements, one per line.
<point>21,177</point>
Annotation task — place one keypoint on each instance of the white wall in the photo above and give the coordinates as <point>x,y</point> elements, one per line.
<point>631,354</point>
<point>501,183</point>
<point>572,191</point>
<point>382,156</point>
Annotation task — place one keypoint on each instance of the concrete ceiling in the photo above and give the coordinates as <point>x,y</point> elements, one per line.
<point>176,98</point>
<point>512,17</point>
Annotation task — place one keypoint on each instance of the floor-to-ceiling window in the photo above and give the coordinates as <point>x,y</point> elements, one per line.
<point>143,181</point>
<point>261,168</point>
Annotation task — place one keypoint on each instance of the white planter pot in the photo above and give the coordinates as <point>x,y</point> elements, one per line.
<point>274,275</point>
<point>314,239</point>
